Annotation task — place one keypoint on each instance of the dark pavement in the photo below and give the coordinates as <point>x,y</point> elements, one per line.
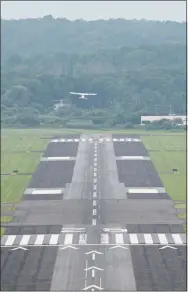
<point>79,229</point>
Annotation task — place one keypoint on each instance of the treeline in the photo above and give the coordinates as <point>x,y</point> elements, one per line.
<point>136,68</point>
<point>48,35</point>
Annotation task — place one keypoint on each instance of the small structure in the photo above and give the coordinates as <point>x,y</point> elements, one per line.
<point>149,119</point>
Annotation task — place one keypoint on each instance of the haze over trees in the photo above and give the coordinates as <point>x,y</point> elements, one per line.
<point>135,67</point>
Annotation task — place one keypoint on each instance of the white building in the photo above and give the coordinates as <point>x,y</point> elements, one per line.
<point>147,119</point>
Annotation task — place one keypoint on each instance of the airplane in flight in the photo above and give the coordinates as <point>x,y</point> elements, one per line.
<point>82,95</point>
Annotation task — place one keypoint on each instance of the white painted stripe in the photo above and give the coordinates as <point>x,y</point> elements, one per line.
<point>95,180</point>
<point>94,222</point>
<point>104,238</point>
<point>39,239</point>
<point>90,140</point>
<point>121,140</point>
<point>95,174</point>
<point>94,194</point>
<point>83,140</point>
<point>136,140</point>
<point>177,239</point>
<point>68,239</point>
<point>95,163</point>
<point>94,212</point>
<point>142,191</point>
<point>61,140</point>
<point>148,239</point>
<point>133,238</point>
<point>93,273</point>
<point>101,140</point>
<point>54,239</point>
<point>131,157</point>
<point>95,187</point>
<point>95,159</point>
<point>162,238</point>
<point>10,240</point>
<point>76,140</point>
<point>54,140</point>
<point>94,203</point>
<point>83,239</point>
<point>95,169</point>
<point>115,140</point>
<point>47,191</point>
<point>128,140</point>
<point>93,256</point>
<point>25,240</point>
<point>95,154</point>
<point>119,238</point>
<point>107,140</point>
<point>56,158</point>
<point>69,140</point>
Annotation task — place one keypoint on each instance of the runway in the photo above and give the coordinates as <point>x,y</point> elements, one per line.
<point>94,222</point>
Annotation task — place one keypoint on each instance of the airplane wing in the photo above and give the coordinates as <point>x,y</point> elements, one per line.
<point>89,93</point>
<point>77,93</point>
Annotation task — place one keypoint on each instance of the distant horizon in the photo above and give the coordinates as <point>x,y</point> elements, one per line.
<point>93,20</point>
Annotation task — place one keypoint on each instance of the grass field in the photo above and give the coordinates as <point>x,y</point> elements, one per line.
<point>165,161</point>
<point>12,187</point>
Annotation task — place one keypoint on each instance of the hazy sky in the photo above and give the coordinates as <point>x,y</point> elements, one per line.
<point>91,10</point>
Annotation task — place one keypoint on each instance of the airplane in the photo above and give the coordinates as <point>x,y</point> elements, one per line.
<point>82,95</point>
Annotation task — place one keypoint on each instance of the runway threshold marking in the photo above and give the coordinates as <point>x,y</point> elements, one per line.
<point>10,240</point>
<point>117,238</point>
<point>25,240</point>
<point>39,239</point>
<point>83,239</point>
<point>133,238</point>
<point>68,238</point>
<point>148,238</point>
<point>177,238</point>
<point>54,239</point>
<point>162,238</point>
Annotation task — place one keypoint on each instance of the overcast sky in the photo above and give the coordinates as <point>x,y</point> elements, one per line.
<point>91,10</point>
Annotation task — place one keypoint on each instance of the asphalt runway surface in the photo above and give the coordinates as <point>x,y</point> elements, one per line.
<point>79,229</point>
<point>138,174</point>
<point>57,149</point>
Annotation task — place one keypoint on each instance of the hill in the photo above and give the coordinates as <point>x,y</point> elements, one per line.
<point>135,67</point>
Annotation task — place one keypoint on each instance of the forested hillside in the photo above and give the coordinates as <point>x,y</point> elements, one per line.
<point>135,67</point>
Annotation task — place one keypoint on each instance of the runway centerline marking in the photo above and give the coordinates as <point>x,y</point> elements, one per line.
<point>94,222</point>
<point>94,212</point>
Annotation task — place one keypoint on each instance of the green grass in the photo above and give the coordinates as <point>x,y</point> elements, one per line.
<point>2,229</point>
<point>5,219</point>
<point>182,216</point>
<point>54,131</point>
<point>180,206</point>
<point>12,187</point>
<point>165,161</point>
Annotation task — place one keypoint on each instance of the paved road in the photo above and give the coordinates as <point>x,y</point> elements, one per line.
<point>94,223</point>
